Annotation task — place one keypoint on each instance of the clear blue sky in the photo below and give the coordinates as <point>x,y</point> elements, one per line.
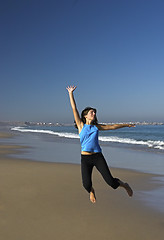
<point>113,50</point>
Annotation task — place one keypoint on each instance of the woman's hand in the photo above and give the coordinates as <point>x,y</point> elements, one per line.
<point>71,88</point>
<point>131,125</point>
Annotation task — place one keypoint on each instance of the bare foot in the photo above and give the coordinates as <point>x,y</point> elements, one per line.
<point>92,196</point>
<point>128,189</point>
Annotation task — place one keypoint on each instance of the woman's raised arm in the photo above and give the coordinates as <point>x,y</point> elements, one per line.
<point>78,121</point>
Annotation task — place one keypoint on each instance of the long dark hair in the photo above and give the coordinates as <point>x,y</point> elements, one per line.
<point>84,113</point>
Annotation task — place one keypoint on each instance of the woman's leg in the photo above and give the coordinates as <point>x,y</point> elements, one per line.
<point>86,171</point>
<point>103,168</point>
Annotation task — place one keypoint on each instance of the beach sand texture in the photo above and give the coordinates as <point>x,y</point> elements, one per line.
<point>47,201</point>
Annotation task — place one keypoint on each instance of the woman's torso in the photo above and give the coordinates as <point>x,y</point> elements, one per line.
<point>89,140</point>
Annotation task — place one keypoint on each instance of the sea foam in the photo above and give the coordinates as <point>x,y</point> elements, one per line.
<point>60,134</point>
<point>149,143</point>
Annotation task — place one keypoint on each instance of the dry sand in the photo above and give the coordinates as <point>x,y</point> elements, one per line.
<point>47,201</point>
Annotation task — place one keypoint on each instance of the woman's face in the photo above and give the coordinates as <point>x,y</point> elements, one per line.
<point>90,115</point>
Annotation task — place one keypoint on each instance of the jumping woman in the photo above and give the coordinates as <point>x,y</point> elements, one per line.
<point>91,153</point>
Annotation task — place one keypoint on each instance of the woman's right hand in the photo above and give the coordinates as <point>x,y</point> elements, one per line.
<point>71,88</point>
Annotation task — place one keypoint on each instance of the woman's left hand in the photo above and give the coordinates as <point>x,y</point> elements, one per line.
<point>131,125</point>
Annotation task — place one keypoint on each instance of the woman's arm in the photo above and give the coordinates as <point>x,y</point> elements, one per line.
<point>78,121</point>
<point>113,126</point>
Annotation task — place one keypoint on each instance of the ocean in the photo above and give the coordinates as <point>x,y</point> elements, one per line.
<point>146,137</point>
<point>140,148</point>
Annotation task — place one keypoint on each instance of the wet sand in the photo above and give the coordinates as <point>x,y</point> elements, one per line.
<point>40,200</point>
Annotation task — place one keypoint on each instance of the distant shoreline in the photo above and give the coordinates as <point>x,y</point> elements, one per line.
<point>21,123</point>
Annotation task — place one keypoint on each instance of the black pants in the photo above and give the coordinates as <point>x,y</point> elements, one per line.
<point>97,160</point>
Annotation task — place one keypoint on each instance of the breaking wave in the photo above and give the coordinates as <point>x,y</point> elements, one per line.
<point>113,139</point>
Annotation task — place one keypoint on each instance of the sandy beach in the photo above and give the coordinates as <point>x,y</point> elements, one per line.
<point>41,200</point>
